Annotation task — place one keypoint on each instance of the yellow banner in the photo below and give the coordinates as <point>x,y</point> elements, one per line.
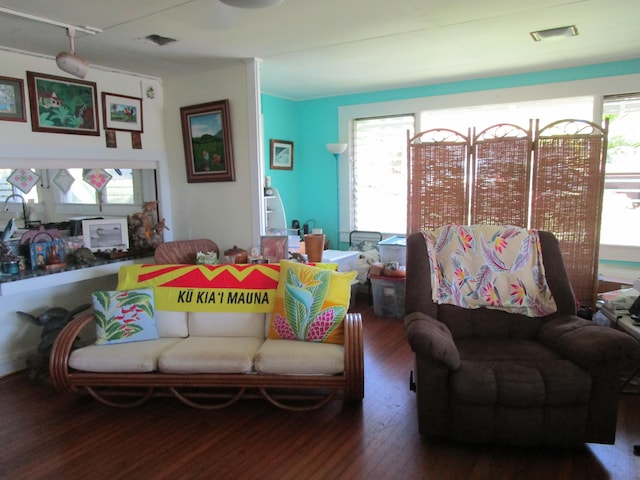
<point>202,288</point>
<point>207,288</point>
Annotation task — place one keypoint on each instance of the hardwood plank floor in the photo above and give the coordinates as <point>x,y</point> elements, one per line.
<point>44,434</point>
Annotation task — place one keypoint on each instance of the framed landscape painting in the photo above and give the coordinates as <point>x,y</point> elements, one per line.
<point>120,112</point>
<point>281,155</point>
<point>62,105</point>
<point>12,100</point>
<point>206,134</point>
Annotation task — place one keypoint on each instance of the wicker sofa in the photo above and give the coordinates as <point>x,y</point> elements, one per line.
<point>211,359</point>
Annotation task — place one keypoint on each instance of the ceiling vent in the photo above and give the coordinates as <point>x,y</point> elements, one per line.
<point>158,40</point>
<point>555,33</point>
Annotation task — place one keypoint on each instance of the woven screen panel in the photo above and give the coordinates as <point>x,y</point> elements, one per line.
<point>568,185</point>
<point>437,184</point>
<point>501,173</point>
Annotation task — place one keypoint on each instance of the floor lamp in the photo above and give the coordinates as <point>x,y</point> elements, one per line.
<point>337,149</point>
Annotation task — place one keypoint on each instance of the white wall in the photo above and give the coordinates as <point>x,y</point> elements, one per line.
<point>225,212</point>
<point>20,146</point>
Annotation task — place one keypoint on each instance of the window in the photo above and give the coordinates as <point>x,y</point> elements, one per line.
<point>120,189</point>
<point>379,175</point>
<point>6,189</point>
<point>483,116</point>
<point>621,206</point>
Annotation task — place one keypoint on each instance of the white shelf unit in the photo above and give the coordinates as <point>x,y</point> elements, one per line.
<point>275,218</point>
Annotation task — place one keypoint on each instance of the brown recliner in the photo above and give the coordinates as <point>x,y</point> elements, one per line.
<point>488,376</point>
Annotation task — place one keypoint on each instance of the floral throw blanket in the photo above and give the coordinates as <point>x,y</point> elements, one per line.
<point>490,266</point>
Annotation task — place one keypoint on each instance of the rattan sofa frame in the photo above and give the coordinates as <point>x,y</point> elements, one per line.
<point>210,390</point>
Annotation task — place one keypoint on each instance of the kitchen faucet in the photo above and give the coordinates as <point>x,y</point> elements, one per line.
<point>24,206</point>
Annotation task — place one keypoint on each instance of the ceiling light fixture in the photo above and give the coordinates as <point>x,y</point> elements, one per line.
<point>555,33</point>
<point>70,62</point>
<point>67,61</point>
<point>252,3</point>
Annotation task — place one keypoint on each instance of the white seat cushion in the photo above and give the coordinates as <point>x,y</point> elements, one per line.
<point>211,355</point>
<point>133,357</point>
<point>293,357</point>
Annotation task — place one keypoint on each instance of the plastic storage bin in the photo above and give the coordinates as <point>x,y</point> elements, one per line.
<point>345,259</point>
<point>393,249</point>
<point>388,296</point>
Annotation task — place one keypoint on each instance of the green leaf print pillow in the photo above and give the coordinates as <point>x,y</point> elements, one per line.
<point>124,316</point>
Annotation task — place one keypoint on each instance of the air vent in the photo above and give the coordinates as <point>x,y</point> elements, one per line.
<point>157,40</point>
<point>555,33</point>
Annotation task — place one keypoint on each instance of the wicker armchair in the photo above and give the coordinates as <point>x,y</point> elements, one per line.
<point>184,251</point>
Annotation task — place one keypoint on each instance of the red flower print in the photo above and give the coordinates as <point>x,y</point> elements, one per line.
<point>500,244</point>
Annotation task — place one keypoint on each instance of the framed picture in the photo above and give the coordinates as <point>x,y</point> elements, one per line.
<point>12,100</point>
<point>49,253</point>
<point>206,134</point>
<point>105,234</point>
<point>281,155</point>
<point>274,247</point>
<point>111,139</point>
<point>120,112</point>
<point>62,105</point>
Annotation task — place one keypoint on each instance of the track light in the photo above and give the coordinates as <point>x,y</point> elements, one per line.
<point>67,61</point>
<point>252,3</point>
<point>71,63</point>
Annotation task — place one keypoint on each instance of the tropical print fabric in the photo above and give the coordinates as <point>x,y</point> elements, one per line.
<point>310,303</point>
<point>124,316</point>
<point>498,267</point>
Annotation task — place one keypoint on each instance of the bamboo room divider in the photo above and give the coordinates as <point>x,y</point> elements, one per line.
<point>549,178</point>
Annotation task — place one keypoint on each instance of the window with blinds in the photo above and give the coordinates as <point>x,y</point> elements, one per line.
<point>379,173</point>
<point>621,201</point>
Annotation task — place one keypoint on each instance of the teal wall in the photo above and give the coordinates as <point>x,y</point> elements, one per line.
<point>282,124</point>
<point>309,191</point>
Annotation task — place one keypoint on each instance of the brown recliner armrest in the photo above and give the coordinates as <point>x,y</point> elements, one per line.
<point>586,343</point>
<point>427,336</point>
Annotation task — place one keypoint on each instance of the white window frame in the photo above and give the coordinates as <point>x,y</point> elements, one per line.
<point>597,88</point>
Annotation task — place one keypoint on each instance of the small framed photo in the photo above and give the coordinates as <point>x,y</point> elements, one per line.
<point>62,105</point>
<point>120,112</point>
<point>111,234</point>
<point>281,155</point>
<point>12,100</point>
<point>111,139</point>
<point>274,247</point>
<point>47,254</point>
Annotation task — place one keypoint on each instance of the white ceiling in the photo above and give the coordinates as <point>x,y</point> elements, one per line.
<point>316,48</point>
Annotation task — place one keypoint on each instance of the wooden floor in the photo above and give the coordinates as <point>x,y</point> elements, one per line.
<point>45,435</point>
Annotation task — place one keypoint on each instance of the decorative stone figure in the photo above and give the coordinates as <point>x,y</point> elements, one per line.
<point>52,322</point>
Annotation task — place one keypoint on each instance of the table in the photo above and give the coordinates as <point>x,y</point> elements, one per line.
<point>626,324</point>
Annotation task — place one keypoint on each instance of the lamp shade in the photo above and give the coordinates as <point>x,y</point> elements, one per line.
<point>336,148</point>
<point>71,63</point>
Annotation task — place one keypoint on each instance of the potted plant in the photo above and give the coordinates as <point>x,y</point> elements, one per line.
<point>9,261</point>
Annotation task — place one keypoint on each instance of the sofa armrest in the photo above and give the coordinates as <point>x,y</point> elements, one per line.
<point>431,338</point>
<point>354,356</point>
<point>586,343</point>
<point>59,359</point>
